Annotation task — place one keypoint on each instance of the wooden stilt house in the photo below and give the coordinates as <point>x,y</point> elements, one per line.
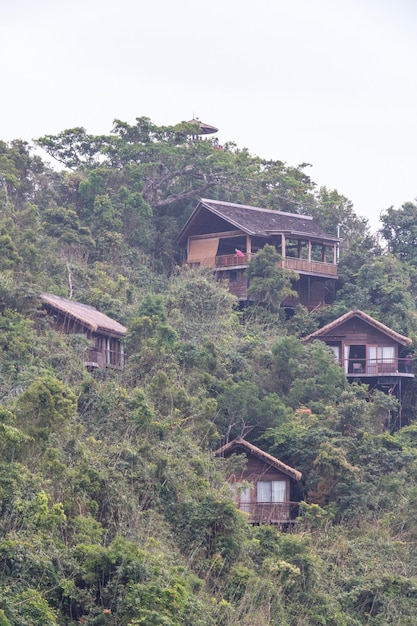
<point>262,488</point>
<point>104,333</point>
<point>369,352</point>
<point>224,236</point>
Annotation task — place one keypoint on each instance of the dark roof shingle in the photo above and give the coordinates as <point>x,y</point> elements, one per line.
<point>257,221</point>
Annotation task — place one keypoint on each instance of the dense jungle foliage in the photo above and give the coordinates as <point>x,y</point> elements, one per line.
<point>114,509</point>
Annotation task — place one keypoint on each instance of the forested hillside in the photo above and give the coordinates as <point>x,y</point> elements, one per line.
<point>114,508</point>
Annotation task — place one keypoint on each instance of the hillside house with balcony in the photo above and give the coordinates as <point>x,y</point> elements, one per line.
<point>262,488</point>
<point>369,352</point>
<point>104,333</point>
<point>224,236</point>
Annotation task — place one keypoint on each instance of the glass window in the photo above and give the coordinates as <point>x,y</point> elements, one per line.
<point>244,504</point>
<point>270,491</point>
<point>386,354</point>
<point>336,350</point>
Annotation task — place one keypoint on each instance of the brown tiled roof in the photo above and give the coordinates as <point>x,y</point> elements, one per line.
<point>85,314</point>
<point>322,332</point>
<point>258,221</point>
<point>242,444</point>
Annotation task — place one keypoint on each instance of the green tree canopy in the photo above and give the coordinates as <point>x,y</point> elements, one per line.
<point>269,283</point>
<point>399,229</point>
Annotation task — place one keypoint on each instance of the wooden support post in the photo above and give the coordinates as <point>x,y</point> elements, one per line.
<point>248,245</point>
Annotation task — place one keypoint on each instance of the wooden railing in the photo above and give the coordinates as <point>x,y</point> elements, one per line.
<point>375,367</point>
<point>233,260</point>
<point>270,512</point>
<point>312,267</point>
<point>298,265</point>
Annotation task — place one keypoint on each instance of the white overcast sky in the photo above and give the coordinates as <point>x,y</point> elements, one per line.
<point>329,82</point>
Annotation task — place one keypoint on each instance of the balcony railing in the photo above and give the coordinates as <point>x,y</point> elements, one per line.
<point>375,367</point>
<point>291,263</point>
<point>233,260</point>
<point>312,267</point>
<point>270,512</point>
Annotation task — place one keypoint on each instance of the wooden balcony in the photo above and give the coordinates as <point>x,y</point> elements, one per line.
<point>310,267</point>
<point>232,261</point>
<point>270,512</point>
<point>377,367</point>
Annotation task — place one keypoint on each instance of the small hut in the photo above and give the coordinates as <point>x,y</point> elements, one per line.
<point>370,353</point>
<point>262,488</point>
<point>104,333</point>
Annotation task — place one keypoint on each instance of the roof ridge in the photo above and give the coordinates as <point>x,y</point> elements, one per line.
<point>265,456</point>
<point>365,318</point>
<point>254,208</point>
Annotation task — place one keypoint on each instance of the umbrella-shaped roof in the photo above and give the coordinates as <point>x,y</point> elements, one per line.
<point>203,128</point>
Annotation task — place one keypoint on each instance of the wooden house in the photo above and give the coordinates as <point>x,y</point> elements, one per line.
<point>262,488</point>
<point>369,352</point>
<point>224,236</point>
<point>104,333</point>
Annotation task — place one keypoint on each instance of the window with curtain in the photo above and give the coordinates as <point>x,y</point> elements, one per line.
<point>386,354</point>
<point>346,358</point>
<point>372,350</point>
<point>336,350</point>
<point>241,496</point>
<point>244,503</point>
<point>270,491</point>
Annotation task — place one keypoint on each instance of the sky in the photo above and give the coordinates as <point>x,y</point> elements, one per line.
<point>331,83</point>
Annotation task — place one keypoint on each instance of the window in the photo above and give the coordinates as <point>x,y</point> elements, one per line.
<point>386,354</point>
<point>336,350</point>
<point>381,359</point>
<point>386,359</point>
<point>270,491</point>
<point>241,496</point>
<point>244,503</point>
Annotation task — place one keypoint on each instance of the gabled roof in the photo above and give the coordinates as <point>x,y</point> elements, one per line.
<point>85,314</point>
<point>256,221</point>
<point>322,332</point>
<point>242,444</point>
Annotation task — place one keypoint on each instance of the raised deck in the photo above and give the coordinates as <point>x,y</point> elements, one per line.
<point>369,368</point>
<point>302,266</point>
<point>270,512</point>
